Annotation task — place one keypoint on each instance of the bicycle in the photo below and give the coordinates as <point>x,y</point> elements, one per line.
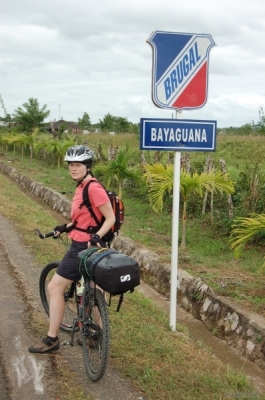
<point>87,314</point>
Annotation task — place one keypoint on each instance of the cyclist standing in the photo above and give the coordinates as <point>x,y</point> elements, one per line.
<point>79,159</point>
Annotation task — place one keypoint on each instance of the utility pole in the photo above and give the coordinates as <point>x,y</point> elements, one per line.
<point>3,105</point>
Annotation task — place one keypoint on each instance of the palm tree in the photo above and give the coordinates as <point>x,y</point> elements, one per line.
<point>22,140</point>
<point>27,140</point>
<point>116,172</point>
<point>160,181</point>
<point>58,148</point>
<point>41,146</point>
<point>7,140</point>
<point>244,229</point>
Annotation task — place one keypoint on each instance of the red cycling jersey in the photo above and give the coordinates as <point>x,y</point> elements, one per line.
<point>81,216</point>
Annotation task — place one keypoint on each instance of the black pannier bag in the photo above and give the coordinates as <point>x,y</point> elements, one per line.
<point>111,270</point>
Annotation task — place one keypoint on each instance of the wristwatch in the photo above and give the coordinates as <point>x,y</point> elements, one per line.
<point>96,236</point>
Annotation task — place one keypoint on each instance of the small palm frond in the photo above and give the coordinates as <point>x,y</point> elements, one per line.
<point>244,229</point>
<point>218,182</point>
<point>116,172</point>
<point>190,184</point>
<point>212,182</point>
<point>160,181</point>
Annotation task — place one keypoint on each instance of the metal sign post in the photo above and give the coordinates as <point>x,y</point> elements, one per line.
<point>174,244</point>
<point>175,241</point>
<point>179,135</point>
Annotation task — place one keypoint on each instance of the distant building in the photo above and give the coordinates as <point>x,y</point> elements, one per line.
<point>68,125</point>
<point>7,124</point>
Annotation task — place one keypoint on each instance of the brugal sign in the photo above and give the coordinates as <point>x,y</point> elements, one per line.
<point>180,69</point>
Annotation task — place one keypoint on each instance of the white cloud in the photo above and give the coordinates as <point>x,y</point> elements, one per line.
<point>93,57</point>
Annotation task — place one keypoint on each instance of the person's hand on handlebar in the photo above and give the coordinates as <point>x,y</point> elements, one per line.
<point>94,241</point>
<point>62,228</point>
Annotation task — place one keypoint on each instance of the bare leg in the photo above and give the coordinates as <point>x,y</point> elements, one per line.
<point>56,289</point>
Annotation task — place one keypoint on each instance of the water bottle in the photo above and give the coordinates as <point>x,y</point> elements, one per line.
<point>80,287</point>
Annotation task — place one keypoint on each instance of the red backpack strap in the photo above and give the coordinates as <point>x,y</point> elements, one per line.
<point>86,202</point>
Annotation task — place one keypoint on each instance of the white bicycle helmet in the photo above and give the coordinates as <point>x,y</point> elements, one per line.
<point>79,153</point>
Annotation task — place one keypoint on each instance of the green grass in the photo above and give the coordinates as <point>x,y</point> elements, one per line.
<point>165,363</point>
<point>161,363</point>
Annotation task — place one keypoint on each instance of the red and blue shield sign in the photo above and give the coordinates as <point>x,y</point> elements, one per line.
<point>180,69</point>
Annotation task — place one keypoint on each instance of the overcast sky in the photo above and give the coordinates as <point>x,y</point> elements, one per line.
<point>89,56</point>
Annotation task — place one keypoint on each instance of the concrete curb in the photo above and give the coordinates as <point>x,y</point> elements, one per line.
<point>241,329</point>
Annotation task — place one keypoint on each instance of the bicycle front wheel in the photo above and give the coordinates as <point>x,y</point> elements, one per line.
<point>69,297</point>
<point>95,333</point>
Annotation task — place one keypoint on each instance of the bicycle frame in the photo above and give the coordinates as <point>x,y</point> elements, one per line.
<point>81,301</point>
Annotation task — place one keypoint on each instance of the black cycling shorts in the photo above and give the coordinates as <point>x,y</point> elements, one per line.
<point>69,266</point>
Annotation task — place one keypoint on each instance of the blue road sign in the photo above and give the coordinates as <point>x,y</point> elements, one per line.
<point>177,134</point>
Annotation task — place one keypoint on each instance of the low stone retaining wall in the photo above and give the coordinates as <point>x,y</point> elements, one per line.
<point>242,330</point>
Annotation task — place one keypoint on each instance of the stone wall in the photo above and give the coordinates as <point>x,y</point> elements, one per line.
<point>242,330</point>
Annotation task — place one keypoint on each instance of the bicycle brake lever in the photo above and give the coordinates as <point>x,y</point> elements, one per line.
<point>39,233</point>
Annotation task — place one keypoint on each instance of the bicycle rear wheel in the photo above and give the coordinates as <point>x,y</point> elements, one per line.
<point>95,333</point>
<point>69,297</point>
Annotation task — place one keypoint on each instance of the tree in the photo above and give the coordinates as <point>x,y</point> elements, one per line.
<point>134,128</point>
<point>244,229</point>
<point>116,172</point>
<point>122,124</point>
<point>160,181</point>
<point>108,123</point>
<point>21,140</point>
<point>32,116</point>
<point>58,148</point>
<point>260,125</point>
<point>25,140</point>
<point>118,124</point>
<point>84,122</point>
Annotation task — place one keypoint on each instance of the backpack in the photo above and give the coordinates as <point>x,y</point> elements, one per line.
<point>113,271</point>
<point>117,206</point>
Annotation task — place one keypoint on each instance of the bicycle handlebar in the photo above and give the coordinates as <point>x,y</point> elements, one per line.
<point>46,235</point>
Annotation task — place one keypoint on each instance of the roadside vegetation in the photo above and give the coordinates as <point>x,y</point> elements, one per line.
<point>217,190</point>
